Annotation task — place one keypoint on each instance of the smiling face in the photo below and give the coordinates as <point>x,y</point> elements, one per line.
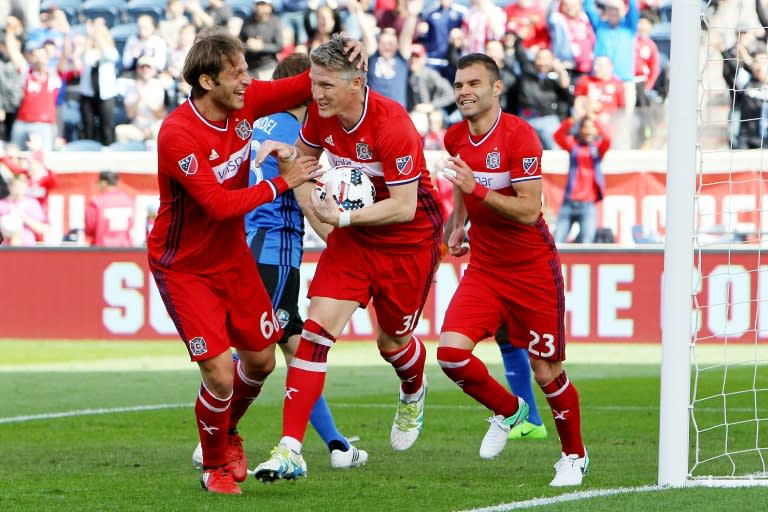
<point>475,91</point>
<point>226,92</point>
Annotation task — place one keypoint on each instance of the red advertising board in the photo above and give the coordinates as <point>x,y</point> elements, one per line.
<point>611,296</point>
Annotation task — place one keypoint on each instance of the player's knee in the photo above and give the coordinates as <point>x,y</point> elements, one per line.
<point>453,361</point>
<point>545,372</point>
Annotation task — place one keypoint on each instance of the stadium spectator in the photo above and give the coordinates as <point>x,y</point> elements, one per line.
<point>22,219</point>
<point>169,28</point>
<point>601,93</point>
<point>216,12</point>
<point>512,253</point>
<point>572,37</point>
<point>615,28</point>
<point>320,25</point>
<point>98,84</point>
<point>10,90</point>
<point>586,142</point>
<point>737,61</point>
<point>434,30</point>
<point>263,39</point>
<point>388,66</point>
<point>528,20</point>
<point>29,10</point>
<point>41,84</point>
<point>204,260</point>
<point>427,89</point>
<point>109,214</point>
<point>510,76</point>
<point>543,95</point>
<point>398,236</point>
<point>41,180</point>
<point>145,43</point>
<point>292,16</point>
<point>433,138</point>
<point>753,133</point>
<point>144,102</point>
<point>483,22</point>
<point>647,70</point>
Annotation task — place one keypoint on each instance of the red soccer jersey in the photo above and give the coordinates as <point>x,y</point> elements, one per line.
<point>202,173</point>
<point>509,153</point>
<point>608,95</point>
<point>109,219</point>
<point>386,146</point>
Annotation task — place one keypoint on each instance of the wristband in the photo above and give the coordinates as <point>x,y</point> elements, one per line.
<point>480,192</point>
<point>345,219</point>
<point>281,186</point>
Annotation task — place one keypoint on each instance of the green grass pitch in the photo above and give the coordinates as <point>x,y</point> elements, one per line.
<point>98,426</point>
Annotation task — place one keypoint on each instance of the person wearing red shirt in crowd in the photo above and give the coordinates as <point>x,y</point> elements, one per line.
<point>586,141</point>
<point>528,20</point>
<point>603,90</point>
<point>109,214</point>
<point>197,250</point>
<point>514,276</point>
<point>385,253</point>
<point>647,66</point>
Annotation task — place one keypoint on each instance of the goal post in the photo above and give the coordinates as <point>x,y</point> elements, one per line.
<point>713,426</point>
<point>677,286</point>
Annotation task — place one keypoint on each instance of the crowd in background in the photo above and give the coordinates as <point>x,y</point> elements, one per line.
<point>80,78</point>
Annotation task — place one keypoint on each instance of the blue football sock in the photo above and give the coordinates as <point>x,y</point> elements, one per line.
<point>517,370</point>
<point>323,423</point>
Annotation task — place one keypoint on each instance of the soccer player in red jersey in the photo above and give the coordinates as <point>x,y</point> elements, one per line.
<point>109,214</point>
<point>197,250</point>
<point>386,252</point>
<point>514,274</point>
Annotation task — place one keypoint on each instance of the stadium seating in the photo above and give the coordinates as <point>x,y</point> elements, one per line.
<point>121,33</point>
<point>83,145</point>
<point>134,145</point>
<point>135,8</point>
<point>241,8</point>
<point>70,7</point>
<point>110,10</point>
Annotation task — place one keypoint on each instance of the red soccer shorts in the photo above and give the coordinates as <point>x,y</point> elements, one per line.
<point>217,311</point>
<point>531,304</point>
<point>398,283</point>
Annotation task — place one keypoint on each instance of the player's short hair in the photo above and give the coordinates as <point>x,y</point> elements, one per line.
<point>292,65</point>
<point>214,48</point>
<point>479,58</point>
<point>332,55</point>
<point>108,177</point>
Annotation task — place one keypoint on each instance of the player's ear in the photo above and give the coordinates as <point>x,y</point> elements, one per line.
<point>208,82</point>
<point>498,88</point>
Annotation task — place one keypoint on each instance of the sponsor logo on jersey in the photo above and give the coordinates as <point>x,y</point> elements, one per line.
<point>231,167</point>
<point>214,155</point>
<point>493,160</point>
<point>197,346</point>
<point>243,129</point>
<point>188,164</point>
<point>530,164</point>
<point>329,140</point>
<point>404,165</point>
<point>363,151</point>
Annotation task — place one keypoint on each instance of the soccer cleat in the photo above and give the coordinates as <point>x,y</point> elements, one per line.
<point>348,459</point>
<point>219,481</point>
<point>283,464</point>
<point>496,438</point>
<point>236,461</point>
<point>570,470</point>
<point>527,430</point>
<point>409,419</point>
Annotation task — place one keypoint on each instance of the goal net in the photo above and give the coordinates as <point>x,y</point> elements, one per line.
<point>714,385</point>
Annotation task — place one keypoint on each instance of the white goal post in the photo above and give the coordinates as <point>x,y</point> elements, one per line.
<point>713,414</point>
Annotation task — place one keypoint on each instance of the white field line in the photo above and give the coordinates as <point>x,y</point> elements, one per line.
<point>564,498</point>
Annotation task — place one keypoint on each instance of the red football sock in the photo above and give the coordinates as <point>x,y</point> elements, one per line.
<point>408,362</point>
<point>306,378</point>
<point>472,376</point>
<point>212,415</point>
<point>564,401</point>
<point>244,392</point>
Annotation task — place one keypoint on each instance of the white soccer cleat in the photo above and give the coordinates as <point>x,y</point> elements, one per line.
<point>570,470</point>
<point>496,438</point>
<point>409,419</point>
<point>197,456</point>
<point>351,458</point>
<point>284,464</point>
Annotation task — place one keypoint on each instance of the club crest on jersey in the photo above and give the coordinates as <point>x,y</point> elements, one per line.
<point>493,160</point>
<point>188,164</point>
<point>363,151</point>
<point>530,164</point>
<point>404,165</point>
<point>282,317</point>
<point>244,130</point>
<point>197,346</point>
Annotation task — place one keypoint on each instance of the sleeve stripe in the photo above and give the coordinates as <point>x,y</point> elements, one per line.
<point>404,182</point>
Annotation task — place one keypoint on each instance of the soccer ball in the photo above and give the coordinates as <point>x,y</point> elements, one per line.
<point>349,186</point>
